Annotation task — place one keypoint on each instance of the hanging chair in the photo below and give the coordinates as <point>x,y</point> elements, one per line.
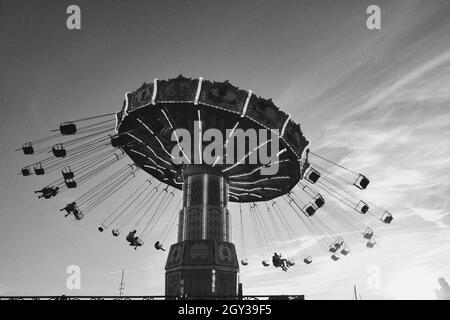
<point>67,128</point>
<point>78,215</point>
<point>387,217</point>
<point>307,260</point>
<point>67,173</point>
<point>371,243</point>
<point>309,209</point>
<point>26,171</point>
<point>362,207</point>
<point>244,262</point>
<point>159,246</point>
<point>290,262</point>
<point>319,201</point>
<point>361,182</point>
<point>38,169</point>
<point>27,148</point>
<point>70,183</point>
<point>335,257</point>
<point>59,151</point>
<point>336,245</point>
<point>368,234</point>
<point>345,250</point>
<point>312,175</point>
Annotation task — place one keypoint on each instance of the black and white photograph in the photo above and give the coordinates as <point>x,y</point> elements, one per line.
<point>239,152</point>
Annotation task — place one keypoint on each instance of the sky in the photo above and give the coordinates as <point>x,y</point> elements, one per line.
<point>376,101</point>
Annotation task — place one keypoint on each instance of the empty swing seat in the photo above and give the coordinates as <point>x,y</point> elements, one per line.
<point>310,210</point>
<point>361,182</point>
<point>336,245</point>
<point>39,170</point>
<point>26,171</point>
<point>307,260</point>
<point>312,175</point>
<point>368,234</point>
<point>244,261</point>
<point>67,173</point>
<point>371,243</point>
<point>70,183</point>
<point>67,128</point>
<point>387,217</point>
<point>101,229</point>
<point>59,151</point>
<point>78,215</point>
<point>362,207</point>
<point>335,257</point>
<point>28,148</point>
<point>290,262</point>
<point>345,251</point>
<point>265,263</point>
<point>115,232</point>
<point>319,201</point>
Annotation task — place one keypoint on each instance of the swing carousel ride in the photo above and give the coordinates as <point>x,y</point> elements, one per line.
<point>127,156</point>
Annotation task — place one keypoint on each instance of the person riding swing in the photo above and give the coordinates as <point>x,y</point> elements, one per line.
<point>134,240</point>
<point>47,192</point>
<point>278,262</point>
<point>158,246</point>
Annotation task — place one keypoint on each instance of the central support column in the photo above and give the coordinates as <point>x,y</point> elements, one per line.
<point>203,262</point>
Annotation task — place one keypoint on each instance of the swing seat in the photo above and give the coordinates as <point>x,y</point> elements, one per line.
<point>319,201</point>
<point>265,263</point>
<point>71,184</point>
<point>67,128</point>
<point>49,192</point>
<point>361,182</point>
<point>115,232</point>
<point>371,243</point>
<point>307,260</point>
<point>101,229</point>
<point>137,242</point>
<point>67,173</point>
<point>27,148</point>
<point>368,234</point>
<point>336,245</point>
<point>244,262</point>
<point>333,249</point>
<point>335,257</point>
<point>387,217</point>
<point>312,176</point>
<point>158,245</point>
<point>59,151</point>
<point>290,263</point>
<point>362,207</point>
<point>310,210</point>
<point>70,207</point>
<point>26,172</point>
<point>78,215</point>
<point>345,251</point>
<point>39,170</point>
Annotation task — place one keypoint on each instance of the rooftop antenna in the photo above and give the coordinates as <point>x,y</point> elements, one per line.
<point>122,286</point>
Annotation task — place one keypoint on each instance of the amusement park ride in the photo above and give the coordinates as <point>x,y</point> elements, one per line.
<point>203,261</point>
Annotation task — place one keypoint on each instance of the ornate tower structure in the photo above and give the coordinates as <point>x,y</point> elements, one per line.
<point>203,262</point>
